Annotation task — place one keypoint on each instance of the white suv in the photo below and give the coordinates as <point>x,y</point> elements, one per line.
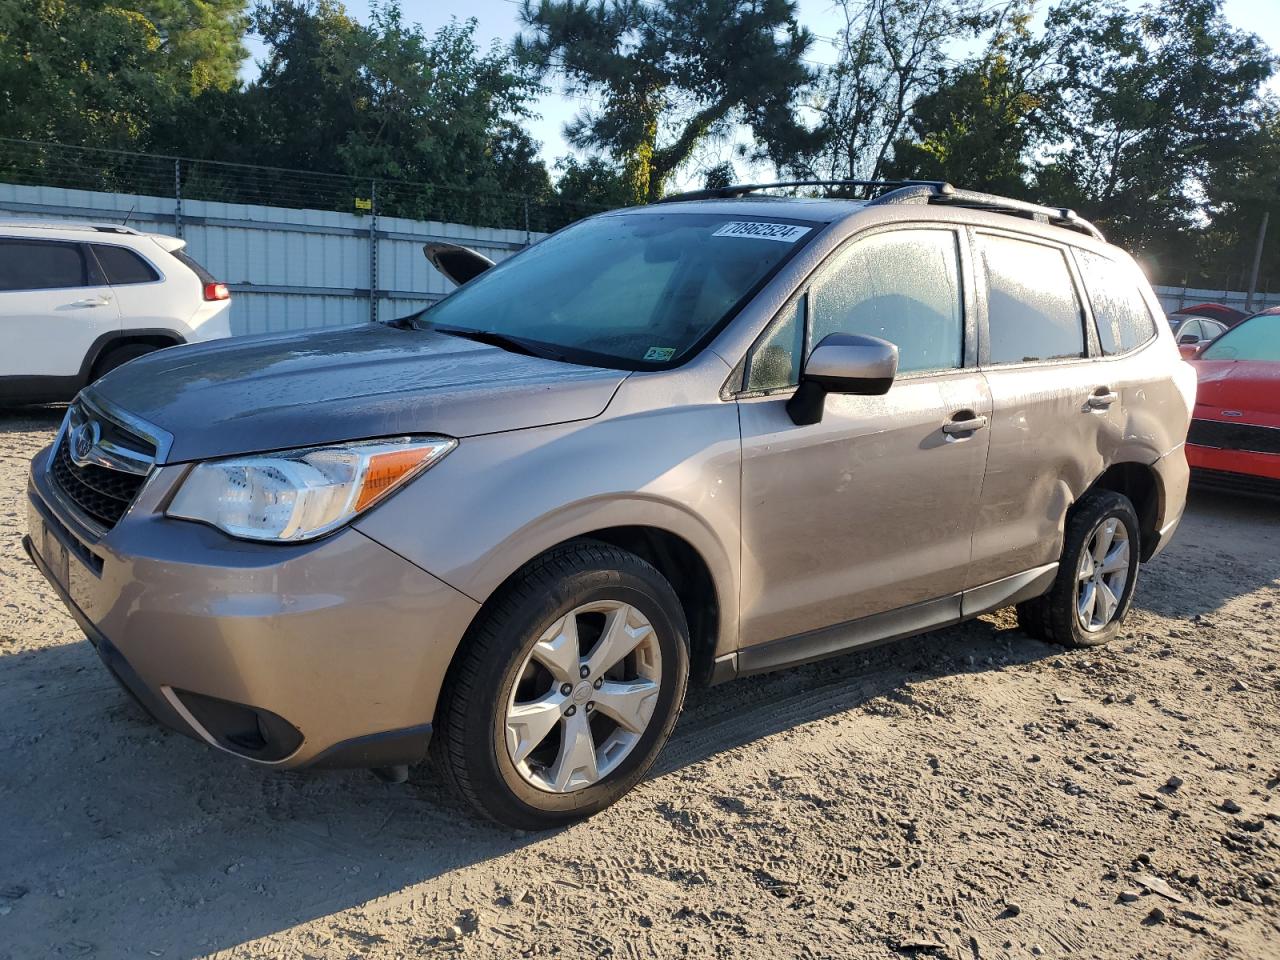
<point>77,300</point>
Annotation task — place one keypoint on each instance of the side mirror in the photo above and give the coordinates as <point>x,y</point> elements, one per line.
<point>456,262</point>
<point>842,363</point>
<point>1188,338</point>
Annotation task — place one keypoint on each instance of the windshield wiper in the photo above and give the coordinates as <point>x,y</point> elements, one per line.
<point>495,339</point>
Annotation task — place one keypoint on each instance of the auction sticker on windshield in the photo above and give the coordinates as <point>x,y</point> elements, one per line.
<point>754,230</point>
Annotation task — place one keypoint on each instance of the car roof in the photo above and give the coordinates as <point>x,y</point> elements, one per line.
<point>814,209</point>
<point>36,223</point>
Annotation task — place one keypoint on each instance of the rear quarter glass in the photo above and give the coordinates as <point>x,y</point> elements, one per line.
<point>194,265</point>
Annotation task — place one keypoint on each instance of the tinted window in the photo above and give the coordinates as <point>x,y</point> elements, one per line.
<point>1124,322</point>
<point>775,362</point>
<point>1258,338</point>
<point>902,286</point>
<point>635,290</point>
<point>40,265</point>
<point>196,267</point>
<point>1032,309</point>
<point>123,266</point>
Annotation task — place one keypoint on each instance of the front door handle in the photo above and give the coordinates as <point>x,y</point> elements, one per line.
<point>952,427</point>
<point>1100,401</point>
<point>91,302</point>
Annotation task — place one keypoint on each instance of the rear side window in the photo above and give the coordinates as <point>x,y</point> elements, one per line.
<point>123,266</point>
<point>1124,322</point>
<point>1032,309</point>
<point>902,286</point>
<point>194,265</point>
<point>41,265</point>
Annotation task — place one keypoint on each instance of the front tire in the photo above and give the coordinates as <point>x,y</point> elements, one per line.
<point>1096,575</point>
<point>567,688</point>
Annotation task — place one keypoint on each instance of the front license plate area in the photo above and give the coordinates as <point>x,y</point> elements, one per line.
<point>51,551</point>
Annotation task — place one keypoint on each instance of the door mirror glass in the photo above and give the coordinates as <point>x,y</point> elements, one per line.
<point>1188,338</point>
<point>456,262</point>
<point>843,363</point>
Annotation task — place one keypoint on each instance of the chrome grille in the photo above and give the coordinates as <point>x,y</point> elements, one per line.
<point>98,465</point>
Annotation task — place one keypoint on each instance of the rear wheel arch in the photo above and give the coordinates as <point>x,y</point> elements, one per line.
<point>1140,483</point>
<point>117,340</point>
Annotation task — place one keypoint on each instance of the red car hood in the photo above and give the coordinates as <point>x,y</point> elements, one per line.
<point>1249,386</point>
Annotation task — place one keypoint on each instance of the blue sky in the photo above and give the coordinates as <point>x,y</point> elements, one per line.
<point>497,20</point>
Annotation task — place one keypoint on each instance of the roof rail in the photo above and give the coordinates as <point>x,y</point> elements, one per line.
<point>742,189</point>
<point>947,195</point>
<point>914,191</point>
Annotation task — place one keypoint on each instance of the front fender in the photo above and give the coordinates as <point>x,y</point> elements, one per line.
<point>498,501</point>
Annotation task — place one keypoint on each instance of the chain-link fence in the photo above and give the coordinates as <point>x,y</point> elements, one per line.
<point>182,178</point>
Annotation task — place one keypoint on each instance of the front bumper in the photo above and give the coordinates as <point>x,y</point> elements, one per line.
<point>329,653</point>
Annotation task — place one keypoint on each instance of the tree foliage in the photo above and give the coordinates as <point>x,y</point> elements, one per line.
<point>1149,119</point>
<point>669,73</point>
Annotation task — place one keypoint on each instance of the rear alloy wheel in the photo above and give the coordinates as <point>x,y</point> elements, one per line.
<point>565,689</point>
<point>1102,575</point>
<point>1096,575</point>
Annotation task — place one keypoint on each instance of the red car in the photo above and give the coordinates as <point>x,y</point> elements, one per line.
<point>1235,434</point>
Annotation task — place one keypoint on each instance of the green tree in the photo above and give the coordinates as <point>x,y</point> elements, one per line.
<point>977,127</point>
<point>669,73</point>
<point>891,53</point>
<point>383,100</point>
<point>1143,106</point>
<point>1238,191</point>
<point>201,41</point>
<point>87,73</point>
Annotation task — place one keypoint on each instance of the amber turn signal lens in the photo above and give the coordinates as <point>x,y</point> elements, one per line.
<point>386,471</point>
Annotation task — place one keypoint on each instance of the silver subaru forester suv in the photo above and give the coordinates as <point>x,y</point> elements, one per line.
<point>679,443</point>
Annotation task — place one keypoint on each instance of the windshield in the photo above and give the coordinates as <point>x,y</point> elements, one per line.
<point>1258,338</point>
<point>639,291</point>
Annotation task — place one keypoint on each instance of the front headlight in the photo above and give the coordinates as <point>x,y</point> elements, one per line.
<point>301,494</point>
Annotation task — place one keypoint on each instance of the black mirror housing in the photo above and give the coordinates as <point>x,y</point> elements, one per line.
<point>842,363</point>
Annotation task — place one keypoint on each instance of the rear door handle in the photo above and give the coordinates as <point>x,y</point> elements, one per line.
<point>91,302</point>
<point>952,427</point>
<point>1100,401</point>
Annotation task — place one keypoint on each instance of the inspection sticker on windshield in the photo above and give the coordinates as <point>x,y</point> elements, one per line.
<point>661,354</point>
<point>754,230</point>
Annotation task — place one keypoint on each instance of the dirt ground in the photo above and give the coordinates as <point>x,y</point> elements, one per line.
<point>971,789</point>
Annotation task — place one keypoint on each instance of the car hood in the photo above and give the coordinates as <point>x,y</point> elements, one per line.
<point>1244,385</point>
<point>252,394</point>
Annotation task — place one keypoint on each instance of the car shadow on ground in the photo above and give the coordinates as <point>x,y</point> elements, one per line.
<point>125,836</point>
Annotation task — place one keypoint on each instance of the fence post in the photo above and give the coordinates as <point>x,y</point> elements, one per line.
<point>373,251</point>
<point>177,197</point>
<point>526,221</point>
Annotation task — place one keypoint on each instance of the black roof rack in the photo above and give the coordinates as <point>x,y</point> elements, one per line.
<point>913,191</point>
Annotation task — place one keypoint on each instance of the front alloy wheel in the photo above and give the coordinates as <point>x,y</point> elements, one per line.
<point>565,688</point>
<point>572,718</point>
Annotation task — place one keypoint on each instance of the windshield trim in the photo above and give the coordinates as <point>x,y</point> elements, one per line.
<point>581,357</point>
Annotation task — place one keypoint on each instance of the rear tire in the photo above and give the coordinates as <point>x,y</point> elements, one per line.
<point>536,728</point>
<point>119,356</point>
<point>1096,575</point>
